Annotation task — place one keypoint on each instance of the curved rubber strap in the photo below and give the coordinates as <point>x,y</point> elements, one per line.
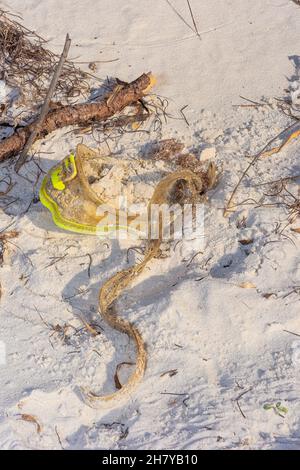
<point>102,231</point>
<point>84,179</point>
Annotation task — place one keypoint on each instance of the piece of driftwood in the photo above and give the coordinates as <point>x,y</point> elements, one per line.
<point>79,114</point>
<point>45,108</point>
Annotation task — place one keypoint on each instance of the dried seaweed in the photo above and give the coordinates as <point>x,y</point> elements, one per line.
<point>26,64</point>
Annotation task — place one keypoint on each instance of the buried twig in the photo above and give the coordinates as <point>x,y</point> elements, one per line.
<point>79,114</point>
<point>170,373</point>
<point>253,104</point>
<point>124,430</point>
<point>55,259</point>
<point>186,395</point>
<point>45,108</point>
<point>58,438</point>
<point>61,331</point>
<point>97,352</point>
<point>280,180</point>
<point>295,290</point>
<point>184,116</point>
<point>292,333</point>
<point>90,264</point>
<point>287,200</point>
<point>238,403</point>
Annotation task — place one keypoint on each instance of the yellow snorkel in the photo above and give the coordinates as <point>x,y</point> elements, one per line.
<point>65,191</point>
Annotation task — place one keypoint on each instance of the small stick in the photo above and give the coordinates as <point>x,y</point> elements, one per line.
<point>183,115</point>
<point>193,19</point>
<point>256,103</point>
<point>58,437</point>
<point>187,396</point>
<point>238,404</point>
<point>241,411</point>
<point>89,265</point>
<point>286,178</point>
<point>45,108</point>
<point>170,372</point>
<point>292,333</point>
<point>180,16</point>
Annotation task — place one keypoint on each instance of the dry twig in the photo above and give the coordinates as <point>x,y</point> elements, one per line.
<point>45,108</point>
<point>26,65</point>
<point>238,401</point>
<point>193,19</point>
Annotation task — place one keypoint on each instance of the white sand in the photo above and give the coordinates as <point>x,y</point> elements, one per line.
<point>223,340</point>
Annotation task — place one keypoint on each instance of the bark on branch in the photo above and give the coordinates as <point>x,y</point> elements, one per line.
<point>79,114</point>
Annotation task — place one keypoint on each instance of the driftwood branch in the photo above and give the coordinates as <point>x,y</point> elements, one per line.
<point>79,114</point>
<point>45,108</point>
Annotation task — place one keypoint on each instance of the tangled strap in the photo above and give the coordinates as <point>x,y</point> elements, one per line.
<point>165,192</point>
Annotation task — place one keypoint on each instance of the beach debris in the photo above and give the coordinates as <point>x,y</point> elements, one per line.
<point>247,285</point>
<point>59,438</point>
<point>79,114</point>
<point>170,373</point>
<point>187,180</point>
<point>277,407</point>
<point>5,236</point>
<point>32,419</point>
<point>60,330</point>
<point>26,65</point>
<point>246,241</point>
<point>89,327</point>
<point>237,400</point>
<point>209,153</point>
<point>36,128</point>
<point>294,132</point>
